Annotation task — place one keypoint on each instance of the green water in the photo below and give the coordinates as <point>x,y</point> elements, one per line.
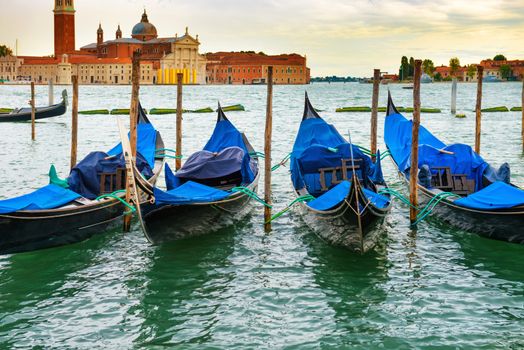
<point>437,288</point>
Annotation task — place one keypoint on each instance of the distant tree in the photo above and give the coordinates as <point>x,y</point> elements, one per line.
<point>404,68</point>
<point>5,51</point>
<point>472,69</point>
<point>411,66</point>
<point>437,77</point>
<point>505,71</point>
<point>454,65</point>
<point>262,53</point>
<point>499,57</point>
<point>428,67</point>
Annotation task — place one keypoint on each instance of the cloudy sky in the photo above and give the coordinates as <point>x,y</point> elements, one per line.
<point>340,37</point>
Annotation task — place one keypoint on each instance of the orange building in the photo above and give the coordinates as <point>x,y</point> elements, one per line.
<point>516,66</point>
<point>251,68</point>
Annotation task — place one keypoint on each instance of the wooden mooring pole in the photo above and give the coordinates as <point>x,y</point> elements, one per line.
<point>50,91</point>
<point>478,108</point>
<point>74,121</point>
<point>413,172</point>
<point>374,112</point>
<point>178,160</point>
<point>33,111</point>
<point>522,107</point>
<point>454,96</point>
<point>133,113</point>
<point>267,149</point>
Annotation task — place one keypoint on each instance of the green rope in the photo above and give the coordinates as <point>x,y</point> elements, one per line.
<point>397,195</point>
<point>250,194</point>
<point>304,198</point>
<point>257,154</point>
<point>281,163</point>
<point>428,209</point>
<point>131,208</point>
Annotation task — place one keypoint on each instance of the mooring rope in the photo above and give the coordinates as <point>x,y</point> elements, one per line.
<point>250,194</point>
<point>304,198</point>
<point>131,208</point>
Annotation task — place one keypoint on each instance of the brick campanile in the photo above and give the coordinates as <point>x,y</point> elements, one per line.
<point>64,27</point>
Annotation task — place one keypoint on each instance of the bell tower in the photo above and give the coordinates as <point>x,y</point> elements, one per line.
<point>64,27</point>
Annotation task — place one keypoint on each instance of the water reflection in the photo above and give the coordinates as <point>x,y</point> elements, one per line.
<point>182,289</point>
<point>354,288</point>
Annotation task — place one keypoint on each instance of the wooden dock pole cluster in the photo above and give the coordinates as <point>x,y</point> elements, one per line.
<point>454,96</point>
<point>413,173</point>
<point>267,149</point>
<point>133,112</point>
<point>478,108</point>
<point>374,112</point>
<point>74,122</point>
<point>33,111</point>
<point>178,149</point>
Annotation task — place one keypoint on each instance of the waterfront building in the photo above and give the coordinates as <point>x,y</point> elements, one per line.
<point>251,68</point>
<point>109,62</point>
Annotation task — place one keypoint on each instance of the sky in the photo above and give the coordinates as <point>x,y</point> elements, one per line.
<point>339,37</point>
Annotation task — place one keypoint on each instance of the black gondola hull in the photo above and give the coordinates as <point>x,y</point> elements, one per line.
<point>340,226</point>
<point>26,231</point>
<point>503,225</point>
<point>41,113</point>
<point>172,222</point>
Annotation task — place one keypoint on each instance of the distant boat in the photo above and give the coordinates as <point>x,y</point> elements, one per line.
<point>425,79</point>
<point>24,114</point>
<point>409,87</point>
<point>491,79</point>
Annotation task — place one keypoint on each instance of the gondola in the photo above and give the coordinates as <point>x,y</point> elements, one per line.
<point>464,190</point>
<point>86,203</point>
<point>337,184</point>
<point>24,114</point>
<point>212,190</point>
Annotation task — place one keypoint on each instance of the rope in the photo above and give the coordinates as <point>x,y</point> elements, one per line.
<point>131,208</point>
<point>369,153</point>
<point>250,194</point>
<point>304,198</point>
<point>281,163</point>
<point>428,209</point>
<point>257,154</point>
<point>162,152</point>
<point>396,195</point>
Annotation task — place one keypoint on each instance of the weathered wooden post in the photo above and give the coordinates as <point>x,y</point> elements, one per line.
<point>179,110</point>
<point>522,107</point>
<point>50,91</point>
<point>33,111</point>
<point>74,123</point>
<point>454,96</point>
<point>374,112</point>
<point>267,149</point>
<point>133,112</point>
<point>413,172</point>
<point>478,108</point>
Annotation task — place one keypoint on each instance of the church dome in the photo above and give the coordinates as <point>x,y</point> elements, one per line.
<point>144,30</point>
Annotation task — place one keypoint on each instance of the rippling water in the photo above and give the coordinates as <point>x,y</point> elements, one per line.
<point>435,288</point>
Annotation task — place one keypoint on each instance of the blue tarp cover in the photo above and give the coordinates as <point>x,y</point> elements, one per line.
<point>208,165</point>
<point>47,197</point>
<point>376,199</point>
<point>189,193</point>
<point>498,195</point>
<point>319,145</point>
<point>146,143</point>
<point>85,176</point>
<point>331,198</point>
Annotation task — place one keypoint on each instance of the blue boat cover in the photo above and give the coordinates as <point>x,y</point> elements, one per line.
<point>208,165</point>
<point>85,176</point>
<point>460,158</point>
<point>498,195</point>
<point>331,198</point>
<point>146,143</point>
<point>376,199</point>
<point>319,145</point>
<point>189,193</point>
<point>47,197</point>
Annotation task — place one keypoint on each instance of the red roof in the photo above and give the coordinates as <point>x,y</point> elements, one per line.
<point>236,58</point>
